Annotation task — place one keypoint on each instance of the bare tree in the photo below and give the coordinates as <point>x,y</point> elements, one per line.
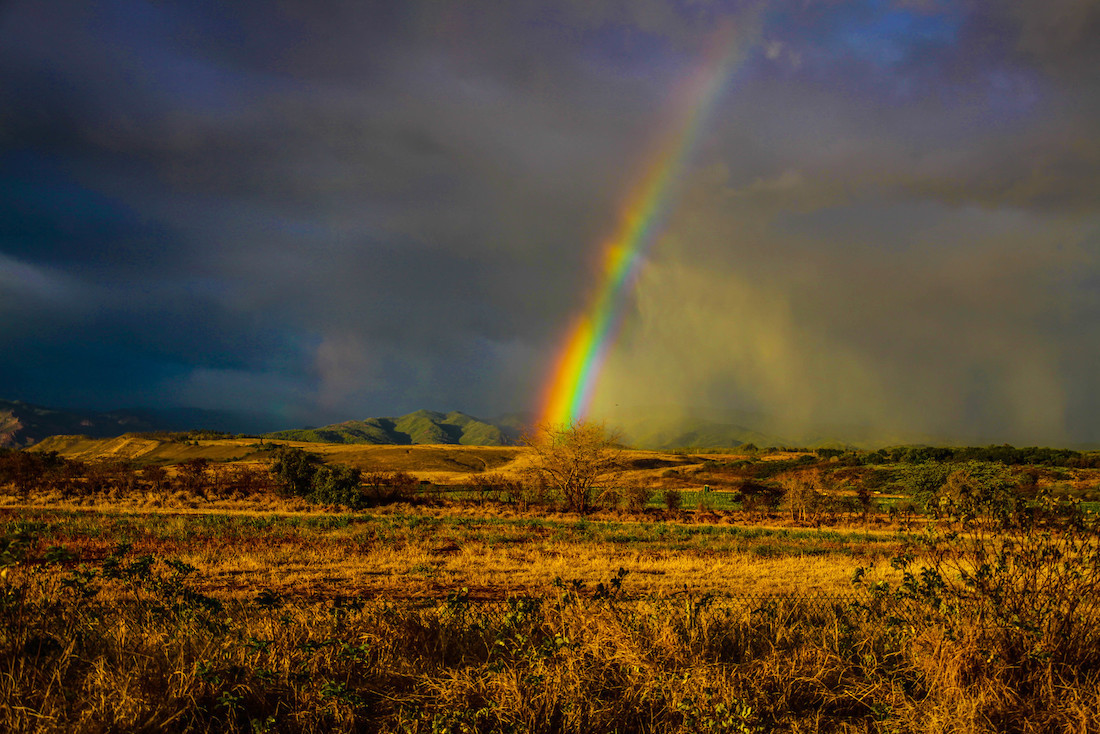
<point>803,494</point>
<point>193,474</point>
<point>157,476</point>
<point>578,460</point>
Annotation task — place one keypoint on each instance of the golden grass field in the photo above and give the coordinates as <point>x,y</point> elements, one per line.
<point>413,550</point>
<point>446,464</point>
<point>135,610</point>
<point>405,552</point>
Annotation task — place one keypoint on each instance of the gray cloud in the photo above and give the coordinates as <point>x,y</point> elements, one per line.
<point>337,210</point>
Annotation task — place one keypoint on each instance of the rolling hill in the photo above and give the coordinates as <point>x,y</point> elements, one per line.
<point>420,427</point>
<point>23,424</point>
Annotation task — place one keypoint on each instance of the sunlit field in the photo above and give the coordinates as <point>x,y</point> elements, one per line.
<point>753,592</point>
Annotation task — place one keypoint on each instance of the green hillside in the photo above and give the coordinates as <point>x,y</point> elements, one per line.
<point>421,427</point>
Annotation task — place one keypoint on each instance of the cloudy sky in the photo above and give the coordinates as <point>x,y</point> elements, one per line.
<point>334,210</point>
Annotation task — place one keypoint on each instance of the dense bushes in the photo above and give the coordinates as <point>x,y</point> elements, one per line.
<point>1012,593</point>
<point>25,469</point>
<point>295,469</point>
<point>758,498</point>
<point>303,474</point>
<point>1005,454</point>
<point>49,473</point>
<point>338,485</point>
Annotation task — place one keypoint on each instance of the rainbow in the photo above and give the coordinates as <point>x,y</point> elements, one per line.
<point>567,395</point>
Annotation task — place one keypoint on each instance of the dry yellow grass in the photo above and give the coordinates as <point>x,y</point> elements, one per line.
<point>305,619</point>
<point>131,653</point>
<point>256,612</point>
<point>444,464</point>
<point>409,551</point>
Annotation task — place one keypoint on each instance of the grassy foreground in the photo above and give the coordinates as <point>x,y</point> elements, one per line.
<point>408,551</point>
<point>142,652</point>
<point>146,585</point>
<point>118,621</point>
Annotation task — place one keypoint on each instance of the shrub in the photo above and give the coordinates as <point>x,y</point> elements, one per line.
<point>980,488</point>
<point>384,487</point>
<point>757,498</point>
<point>303,474</point>
<point>674,499</point>
<point>338,485</point>
<point>866,501</point>
<point>636,497</point>
<point>803,495</point>
<point>156,476</point>
<point>246,481</point>
<point>609,498</point>
<point>25,470</point>
<point>193,475</point>
<point>293,469</point>
<point>1015,595</point>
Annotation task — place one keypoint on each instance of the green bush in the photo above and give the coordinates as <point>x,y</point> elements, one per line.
<point>294,469</point>
<point>338,485</point>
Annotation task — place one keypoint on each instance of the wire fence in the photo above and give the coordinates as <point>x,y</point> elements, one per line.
<point>698,611</point>
<point>805,602</point>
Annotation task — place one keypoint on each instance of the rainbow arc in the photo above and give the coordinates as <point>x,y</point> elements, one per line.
<point>567,395</point>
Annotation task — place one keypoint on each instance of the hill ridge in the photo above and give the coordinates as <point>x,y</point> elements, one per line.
<point>23,424</point>
<point>417,428</point>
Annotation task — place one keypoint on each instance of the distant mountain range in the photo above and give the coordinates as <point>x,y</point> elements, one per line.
<point>23,424</point>
<point>421,427</point>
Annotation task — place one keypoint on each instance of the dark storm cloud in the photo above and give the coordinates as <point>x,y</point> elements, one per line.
<point>340,209</point>
<point>391,176</point>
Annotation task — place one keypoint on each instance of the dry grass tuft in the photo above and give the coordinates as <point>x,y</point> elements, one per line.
<point>130,642</point>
